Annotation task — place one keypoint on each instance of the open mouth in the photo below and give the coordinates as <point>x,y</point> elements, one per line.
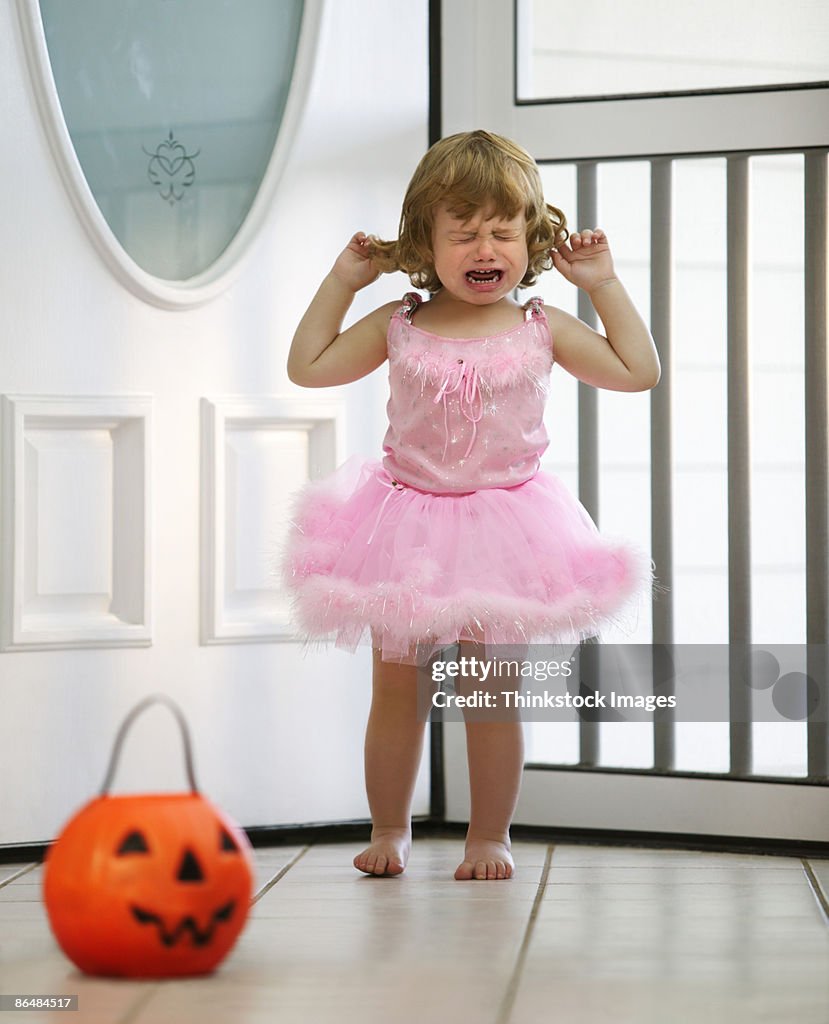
<point>484,276</point>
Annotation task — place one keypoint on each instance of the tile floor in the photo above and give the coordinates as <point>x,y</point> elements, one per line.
<point>582,934</point>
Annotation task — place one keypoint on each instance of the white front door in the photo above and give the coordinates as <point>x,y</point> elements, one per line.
<point>158,254</point>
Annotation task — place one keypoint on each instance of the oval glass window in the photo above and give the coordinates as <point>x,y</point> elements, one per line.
<point>173,108</point>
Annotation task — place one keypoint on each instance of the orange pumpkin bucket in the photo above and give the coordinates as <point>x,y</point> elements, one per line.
<point>148,886</point>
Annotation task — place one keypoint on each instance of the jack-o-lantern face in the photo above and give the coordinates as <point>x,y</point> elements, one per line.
<point>190,871</point>
<point>148,886</point>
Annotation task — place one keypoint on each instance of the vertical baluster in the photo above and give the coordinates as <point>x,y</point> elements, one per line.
<point>739,461</point>
<point>662,437</point>
<point>587,213</point>
<point>817,454</point>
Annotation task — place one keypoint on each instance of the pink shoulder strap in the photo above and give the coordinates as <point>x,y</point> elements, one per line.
<point>411,300</point>
<point>534,309</point>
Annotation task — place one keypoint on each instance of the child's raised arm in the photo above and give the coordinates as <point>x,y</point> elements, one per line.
<point>320,355</point>
<point>625,360</point>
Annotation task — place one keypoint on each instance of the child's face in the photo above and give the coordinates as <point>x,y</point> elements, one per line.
<point>482,259</point>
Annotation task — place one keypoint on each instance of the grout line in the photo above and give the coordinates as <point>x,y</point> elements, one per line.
<point>507,1003</point>
<point>23,871</point>
<point>139,1005</point>
<point>281,874</point>
<point>817,890</point>
<point>145,997</point>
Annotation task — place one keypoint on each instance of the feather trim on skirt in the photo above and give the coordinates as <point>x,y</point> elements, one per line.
<point>369,560</point>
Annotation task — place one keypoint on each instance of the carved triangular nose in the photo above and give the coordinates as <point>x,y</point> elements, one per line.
<point>189,869</point>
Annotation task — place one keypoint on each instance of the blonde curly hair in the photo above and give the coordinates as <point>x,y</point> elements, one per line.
<point>469,171</point>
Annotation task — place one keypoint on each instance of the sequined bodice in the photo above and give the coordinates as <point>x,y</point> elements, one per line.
<point>466,414</point>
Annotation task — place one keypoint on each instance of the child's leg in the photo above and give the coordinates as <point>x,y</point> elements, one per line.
<point>394,744</point>
<point>495,754</point>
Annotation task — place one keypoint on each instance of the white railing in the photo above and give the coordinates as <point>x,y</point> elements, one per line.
<point>734,246</point>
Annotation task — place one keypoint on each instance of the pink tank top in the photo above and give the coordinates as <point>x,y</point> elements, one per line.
<point>466,414</point>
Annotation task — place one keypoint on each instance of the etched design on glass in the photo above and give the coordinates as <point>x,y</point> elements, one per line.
<point>139,109</point>
<point>171,169</point>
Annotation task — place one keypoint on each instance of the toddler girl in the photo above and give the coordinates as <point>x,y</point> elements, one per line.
<point>457,536</point>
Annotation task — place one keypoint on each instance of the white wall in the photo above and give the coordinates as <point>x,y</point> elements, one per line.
<point>278,735</point>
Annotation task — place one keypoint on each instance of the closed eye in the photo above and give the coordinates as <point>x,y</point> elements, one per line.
<point>501,236</point>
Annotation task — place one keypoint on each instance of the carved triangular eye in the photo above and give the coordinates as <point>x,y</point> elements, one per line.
<point>228,843</point>
<point>134,842</point>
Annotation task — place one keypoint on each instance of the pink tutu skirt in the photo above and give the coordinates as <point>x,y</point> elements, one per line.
<point>410,571</point>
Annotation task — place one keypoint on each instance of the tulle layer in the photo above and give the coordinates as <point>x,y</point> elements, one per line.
<point>407,570</point>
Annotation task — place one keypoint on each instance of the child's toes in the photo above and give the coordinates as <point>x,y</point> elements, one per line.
<point>387,855</point>
<point>485,869</point>
<point>465,871</point>
<point>485,861</point>
<point>366,862</point>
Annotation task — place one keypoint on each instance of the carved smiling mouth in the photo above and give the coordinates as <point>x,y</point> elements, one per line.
<point>187,924</point>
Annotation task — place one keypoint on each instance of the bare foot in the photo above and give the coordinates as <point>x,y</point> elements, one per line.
<point>388,852</point>
<point>485,858</point>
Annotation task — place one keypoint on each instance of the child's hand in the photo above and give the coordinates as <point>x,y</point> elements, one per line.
<point>353,267</point>
<point>586,262</point>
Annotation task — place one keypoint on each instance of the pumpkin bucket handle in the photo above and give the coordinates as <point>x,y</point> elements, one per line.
<point>156,698</point>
